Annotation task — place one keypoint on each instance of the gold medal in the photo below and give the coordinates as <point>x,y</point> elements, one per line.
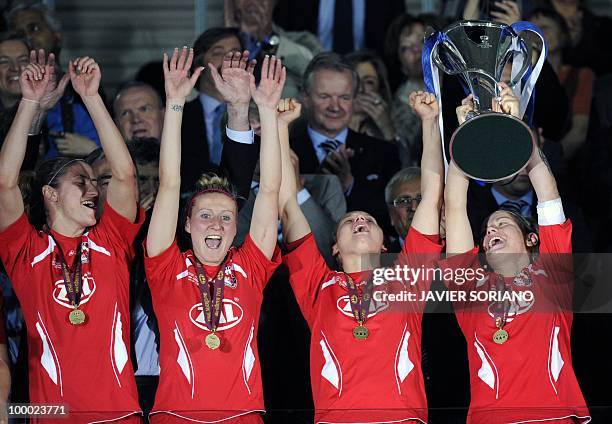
<point>360,332</point>
<point>500,336</point>
<point>212,341</point>
<point>76,317</point>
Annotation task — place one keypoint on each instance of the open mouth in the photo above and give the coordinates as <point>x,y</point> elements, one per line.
<point>360,228</point>
<point>495,243</point>
<point>213,241</point>
<point>140,133</point>
<point>89,204</point>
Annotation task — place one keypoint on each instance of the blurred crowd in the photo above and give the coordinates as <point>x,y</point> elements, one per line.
<point>357,146</point>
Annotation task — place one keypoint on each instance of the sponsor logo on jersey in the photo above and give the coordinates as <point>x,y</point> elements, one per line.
<point>88,288</point>
<point>231,315</point>
<point>344,305</point>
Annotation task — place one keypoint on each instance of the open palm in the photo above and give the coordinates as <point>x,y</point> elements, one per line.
<point>273,76</point>
<point>233,83</point>
<point>176,74</point>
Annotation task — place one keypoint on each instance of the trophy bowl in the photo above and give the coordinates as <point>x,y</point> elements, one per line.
<point>488,146</point>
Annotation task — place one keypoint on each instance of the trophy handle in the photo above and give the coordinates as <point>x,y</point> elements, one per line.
<point>527,50</point>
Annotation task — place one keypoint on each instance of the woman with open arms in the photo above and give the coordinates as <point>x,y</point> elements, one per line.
<point>365,361</point>
<point>207,299</point>
<point>70,271</point>
<point>518,348</point>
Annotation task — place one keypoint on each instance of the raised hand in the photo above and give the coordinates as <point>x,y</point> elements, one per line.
<point>176,74</point>
<point>508,12</point>
<point>424,105</point>
<point>273,76</point>
<point>85,76</point>
<point>34,80</point>
<point>233,83</point>
<point>288,111</point>
<point>55,90</point>
<point>508,102</point>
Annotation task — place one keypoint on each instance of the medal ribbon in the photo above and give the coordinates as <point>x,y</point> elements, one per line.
<point>211,306</point>
<point>360,303</point>
<point>501,309</point>
<point>73,277</point>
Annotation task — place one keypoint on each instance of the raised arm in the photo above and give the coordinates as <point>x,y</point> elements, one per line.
<point>162,228</point>
<point>427,216</point>
<point>295,225</point>
<point>264,221</point>
<point>34,80</point>
<point>541,177</point>
<point>122,194</point>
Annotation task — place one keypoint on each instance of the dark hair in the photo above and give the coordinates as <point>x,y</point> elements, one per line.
<point>208,38</point>
<point>144,150</point>
<point>15,36</point>
<point>95,156</point>
<point>332,62</point>
<point>209,181</point>
<point>550,13</point>
<point>370,56</point>
<point>134,84</point>
<point>48,172</point>
<point>526,226</point>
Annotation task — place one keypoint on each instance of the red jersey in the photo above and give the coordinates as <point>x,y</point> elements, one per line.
<point>195,382</point>
<point>85,367</point>
<point>529,378</point>
<point>359,381</point>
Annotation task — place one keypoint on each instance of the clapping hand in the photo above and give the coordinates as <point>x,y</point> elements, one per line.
<point>178,83</point>
<point>85,76</point>
<point>273,75</point>
<point>34,80</point>
<point>233,82</point>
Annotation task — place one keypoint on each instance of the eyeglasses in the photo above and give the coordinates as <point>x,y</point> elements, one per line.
<point>406,201</point>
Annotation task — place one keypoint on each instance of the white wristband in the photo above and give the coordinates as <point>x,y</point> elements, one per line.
<point>551,212</point>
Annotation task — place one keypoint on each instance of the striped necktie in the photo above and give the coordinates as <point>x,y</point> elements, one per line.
<point>515,206</point>
<point>329,146</point>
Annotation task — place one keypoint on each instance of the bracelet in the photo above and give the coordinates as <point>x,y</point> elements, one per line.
<point>31,101</point>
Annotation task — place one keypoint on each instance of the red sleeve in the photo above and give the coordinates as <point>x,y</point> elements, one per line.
<point>581,103</point>
<point>161,270</point>
<point>307,271</point>
<point>556,238</point>
<point>118,229</point>
<point>417,242</point>
<point>16,242</point>
<point>259,267</point>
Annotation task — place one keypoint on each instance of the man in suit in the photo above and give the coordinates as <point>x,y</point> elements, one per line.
<point>261,36</point>
<point>402,195</point>
<point>362,23</point>
<point>517,195</point>
<point>363,164</point>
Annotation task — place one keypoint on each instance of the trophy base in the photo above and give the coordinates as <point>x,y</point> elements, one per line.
<point>492,146</point>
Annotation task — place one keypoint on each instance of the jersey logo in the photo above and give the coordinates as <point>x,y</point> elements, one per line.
<point>344,306</point>
<point>231,315</point>
<point>61,296</point>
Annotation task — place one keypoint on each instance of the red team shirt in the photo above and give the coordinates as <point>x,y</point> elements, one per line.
<point>86,367</point>
<point>359,381</point>
<point>529,378</point>
<point>196,383</point>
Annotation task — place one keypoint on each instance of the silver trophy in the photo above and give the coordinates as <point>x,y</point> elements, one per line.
<point>488,146</point>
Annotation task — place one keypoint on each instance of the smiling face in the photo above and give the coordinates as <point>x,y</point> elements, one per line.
<point>13,58</point>
<point>329,101</point>
<point>139,113</point>
<point>503,235</point>
<point>358,233</point>
<point>212,225</point>
<point>73,202</point>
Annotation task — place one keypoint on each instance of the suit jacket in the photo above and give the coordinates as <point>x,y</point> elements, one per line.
<point>373,165</point>
<point>238,160</point>
<point>323,209</point>
<point>304,16</point>
<point>481,204</point>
